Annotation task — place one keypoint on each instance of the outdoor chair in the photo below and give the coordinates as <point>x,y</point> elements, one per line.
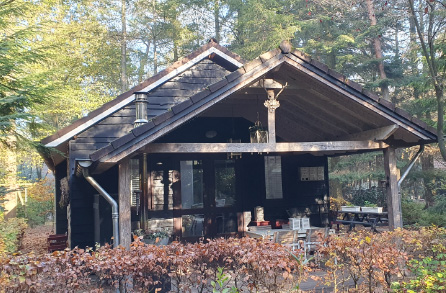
<point>287,238</point>
<point>313,240</point>
<point>305,223</point>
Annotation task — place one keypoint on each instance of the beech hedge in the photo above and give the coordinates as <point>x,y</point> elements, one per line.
<point>251,265</point>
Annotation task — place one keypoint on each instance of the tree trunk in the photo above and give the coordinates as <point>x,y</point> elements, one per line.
<point>124,85</point>
<point>143,63</point>
<point>10,166</point>
<point>433,70</point>
<point>155,57</point>
<point>378,52</point>
<point>427,164</point>
<point>217,19</point>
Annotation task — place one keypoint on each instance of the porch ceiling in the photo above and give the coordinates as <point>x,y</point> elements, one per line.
<point>309,110</point>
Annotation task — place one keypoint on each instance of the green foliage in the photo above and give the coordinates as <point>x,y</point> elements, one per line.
<point>35,211</point>
<point>19,88</point>
<point>415,213</point>
<point>11,232</point>
<point>369,197</point>
<point>261,25</point>
<point>222,282</point>
<point>430,276</point>
<point>39,203</point>
<point>412,211</point>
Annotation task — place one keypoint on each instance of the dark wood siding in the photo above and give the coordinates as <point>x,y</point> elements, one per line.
<point>82,212</point>
<point>61,212</point>
<point>300,195</point>
<point>160,100</point>
<point>116,125</point>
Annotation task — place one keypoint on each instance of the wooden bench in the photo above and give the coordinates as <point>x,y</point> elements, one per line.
<point>57,242</point>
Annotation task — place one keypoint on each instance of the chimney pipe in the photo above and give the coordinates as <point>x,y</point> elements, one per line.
<point>141,109</point>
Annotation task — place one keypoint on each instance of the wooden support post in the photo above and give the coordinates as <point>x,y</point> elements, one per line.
<point>272,126</point>
<point>145,192</point>
<point>125,231</point>
<point>393,196</point>
<point>271,104</point>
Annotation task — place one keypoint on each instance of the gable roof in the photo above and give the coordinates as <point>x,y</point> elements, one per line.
<point>210,49</point>
<point>246,75</point>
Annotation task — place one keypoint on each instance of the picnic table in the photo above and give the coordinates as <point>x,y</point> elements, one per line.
<point>269,233</point>
<point>366,219</point>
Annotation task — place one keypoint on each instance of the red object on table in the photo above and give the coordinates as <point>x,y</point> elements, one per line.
<point>57,242</point>
<point>260,223</point>
<point>279,222</point>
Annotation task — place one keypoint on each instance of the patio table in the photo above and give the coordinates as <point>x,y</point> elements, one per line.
<point>268,234</point>
<point>366,219</point>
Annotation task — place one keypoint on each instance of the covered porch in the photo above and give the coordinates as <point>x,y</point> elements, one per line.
<point>197,168</point>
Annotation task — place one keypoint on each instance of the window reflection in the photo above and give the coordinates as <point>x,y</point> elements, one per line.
<point>224,183</point>
<point>191,184</point>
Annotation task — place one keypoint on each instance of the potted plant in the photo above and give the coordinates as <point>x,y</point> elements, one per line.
<point>371,208</point>
<point>351,208</point>
<point>155,237</point>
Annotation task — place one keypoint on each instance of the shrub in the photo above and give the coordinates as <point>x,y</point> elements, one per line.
<point>415,213</point>
<point>373,195</point>
<point>250,263</point>
<point>11,233</point>
<point>376,258</point>
<point>412,211</point>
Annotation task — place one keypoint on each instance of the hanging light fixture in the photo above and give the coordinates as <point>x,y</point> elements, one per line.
<point>257,133</point>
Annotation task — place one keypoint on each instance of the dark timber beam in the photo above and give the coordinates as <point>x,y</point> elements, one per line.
<point>125,231</point>
<point>377,134</point>
<point>272,84</point>
<point>323,146</point>
<point>271,104</point>
<point>393,196</point>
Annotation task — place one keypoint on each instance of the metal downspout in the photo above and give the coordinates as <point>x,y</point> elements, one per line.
<point>108,198</point>
<point>420,151</point>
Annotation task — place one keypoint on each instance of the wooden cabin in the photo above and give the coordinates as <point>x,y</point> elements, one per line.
<point>195,146</point>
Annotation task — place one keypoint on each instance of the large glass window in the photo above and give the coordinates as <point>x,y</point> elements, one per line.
<point>273,177</point>
<point>226,223</point>
<point>224,183</point>
<point>162,192</point>
<point>191,184</point>
<point>192,225</point>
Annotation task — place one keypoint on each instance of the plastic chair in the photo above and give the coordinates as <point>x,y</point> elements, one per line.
<point>305,223</point>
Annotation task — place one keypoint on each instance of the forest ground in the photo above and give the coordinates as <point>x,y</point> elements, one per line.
<point>35,239</point>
